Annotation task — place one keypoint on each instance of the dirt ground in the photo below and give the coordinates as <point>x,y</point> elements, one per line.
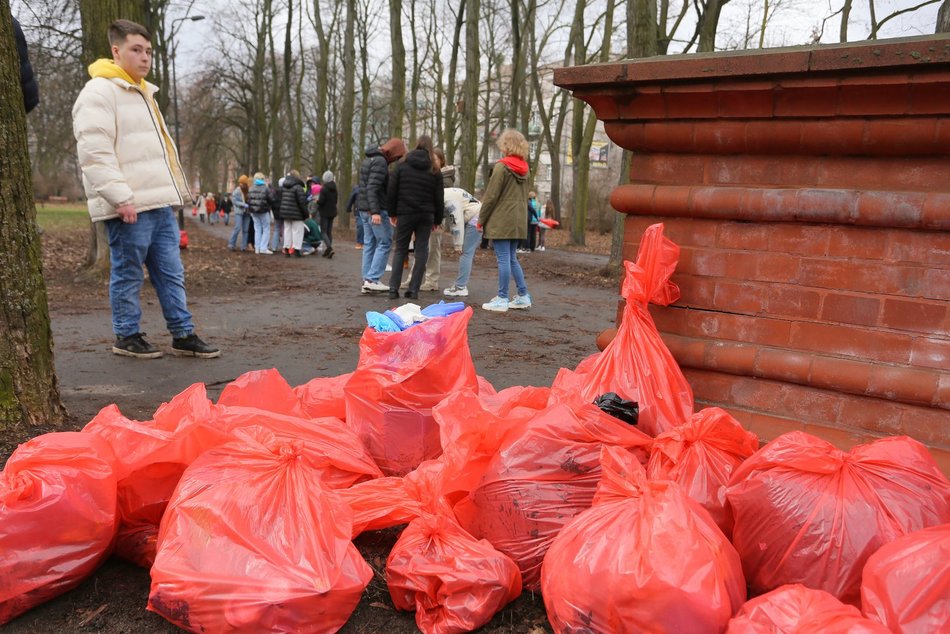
<point>304,317</point>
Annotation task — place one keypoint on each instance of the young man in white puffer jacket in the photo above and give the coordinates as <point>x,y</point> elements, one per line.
<point>133,177</point>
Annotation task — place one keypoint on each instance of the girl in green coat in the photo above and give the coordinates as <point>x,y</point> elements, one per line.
<point>503,218</point>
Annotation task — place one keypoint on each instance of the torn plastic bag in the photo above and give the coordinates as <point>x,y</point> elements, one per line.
<point>644,558</point>
<point>400,377</point>
<point>252,541</point>
<point>795,609</point>
<point>57,517</point>
<point>637,365</point>
<point>323,396</point>
<point>530,471</point>
<point>454,582</point>
<point>806,512</point>
<point>701,457</point>
<point>150,458</point>
<point>906,583</point>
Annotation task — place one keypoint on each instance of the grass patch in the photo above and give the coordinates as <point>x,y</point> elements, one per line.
<point>62,217</point>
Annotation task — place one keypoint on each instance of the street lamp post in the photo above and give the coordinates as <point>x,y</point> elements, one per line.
<point>193,18</point>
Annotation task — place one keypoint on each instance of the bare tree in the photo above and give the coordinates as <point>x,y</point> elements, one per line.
<point>345,178</point>
<point>29,391</point>
<point>943,18</point>
<point>469,106</point>
<point>584,121</point>
<point>397,114</point>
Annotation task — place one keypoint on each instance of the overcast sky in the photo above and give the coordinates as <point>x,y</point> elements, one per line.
<point>793,24</point>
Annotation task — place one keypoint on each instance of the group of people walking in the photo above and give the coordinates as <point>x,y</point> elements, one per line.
<point>418,200</point>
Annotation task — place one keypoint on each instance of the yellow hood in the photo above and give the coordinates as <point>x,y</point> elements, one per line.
<point>109,69</point>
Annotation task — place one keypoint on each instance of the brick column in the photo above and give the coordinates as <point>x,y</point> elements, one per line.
<point>809,189</point>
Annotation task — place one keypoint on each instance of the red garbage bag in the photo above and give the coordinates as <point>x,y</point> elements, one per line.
<point>333,446</point>
<point>150,458</point>
<point>400,377</point>
<point>906,583</point>
<point>644,558</point>
<point>808,513</point>
<point>454,582</point>
<point>323,396</point>
<point>795,609</point>
<point>262,389</point>
<point>57,517</point>
<point>393,501</point>
<point>529,482</point>
<point>637,365</point>
<point>701,457</point>
<point>252,541</point>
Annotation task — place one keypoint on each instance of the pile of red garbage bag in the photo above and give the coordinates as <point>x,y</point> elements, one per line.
<point>245,510</point>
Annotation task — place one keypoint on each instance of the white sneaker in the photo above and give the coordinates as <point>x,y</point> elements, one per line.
<point>373,287</point>
<point>497,305</point>
<point>456,291</point>
<point>266,252</point>
<point>520,301</point>
<point>540,248</point>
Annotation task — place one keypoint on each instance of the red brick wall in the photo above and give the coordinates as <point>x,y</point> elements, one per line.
<point>809,191</point>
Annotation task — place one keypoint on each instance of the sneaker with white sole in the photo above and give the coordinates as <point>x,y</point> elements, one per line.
<point>520,301</point>
<point>135,346</point>
<point>497,305</point>
<point>373,287</point>
<point>456,291</point>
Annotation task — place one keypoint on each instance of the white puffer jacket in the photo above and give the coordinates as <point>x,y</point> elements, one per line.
<point>125,151</point>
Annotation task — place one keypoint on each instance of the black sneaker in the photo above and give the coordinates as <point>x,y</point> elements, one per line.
<point>193,346</point>
<point>135,346</point>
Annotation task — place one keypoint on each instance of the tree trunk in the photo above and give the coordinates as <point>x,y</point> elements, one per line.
<point>642,41</point>
<point>943,18</point>
<point>709,22</point>
<point>845,17</point>
<point>469,145</point>
<point>29,391</point>
<point>346,115</point>
<point>397,112</point>
<point>323,83</point>
<point>449,135</point>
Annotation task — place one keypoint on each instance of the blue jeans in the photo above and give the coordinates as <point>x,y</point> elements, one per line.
<point>153,241</point>
<point>470,242</point>
<point>261,231</point>
<point>242,226</point>
<point>359,230</point>
<point>278,234</point>
<point>377,240</point>
<point>508,267</point>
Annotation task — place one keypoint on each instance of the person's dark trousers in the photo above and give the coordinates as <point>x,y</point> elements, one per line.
<point>532,236</point>
<point>326,228</point>
<point>406,226</point>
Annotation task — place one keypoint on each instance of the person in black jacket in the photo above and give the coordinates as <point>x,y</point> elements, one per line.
<point>293,210</point>
<point>416,202</point>
<point>371,204</point>
<point>326,204</point>
<point>31,91</point>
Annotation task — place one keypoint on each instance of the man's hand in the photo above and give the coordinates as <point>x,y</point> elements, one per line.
<point>392,221</point>
<point>127,213</point>
<point>376,219</point>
